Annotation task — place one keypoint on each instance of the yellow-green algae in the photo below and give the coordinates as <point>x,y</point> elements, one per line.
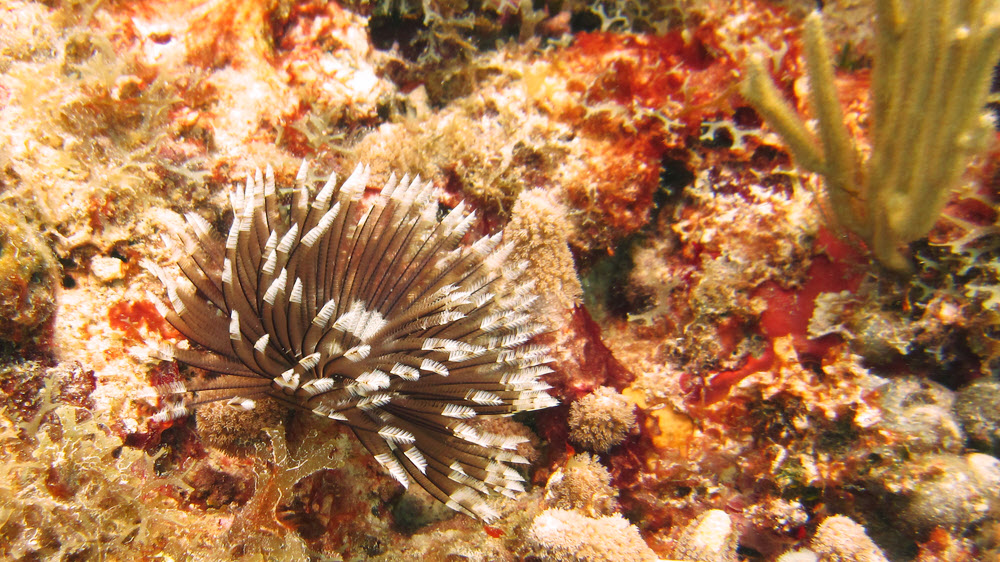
<point>27,277</point>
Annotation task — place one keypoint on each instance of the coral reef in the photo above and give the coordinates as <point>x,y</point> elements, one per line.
<point>746,382</point>
<point>70,489</point>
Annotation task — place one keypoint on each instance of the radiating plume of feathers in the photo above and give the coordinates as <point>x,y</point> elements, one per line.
<point>369,313</point>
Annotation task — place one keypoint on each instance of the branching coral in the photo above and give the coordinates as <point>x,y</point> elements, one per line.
<point>932,73</point>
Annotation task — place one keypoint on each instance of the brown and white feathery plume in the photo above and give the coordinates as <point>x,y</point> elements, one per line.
<point>371,313</point>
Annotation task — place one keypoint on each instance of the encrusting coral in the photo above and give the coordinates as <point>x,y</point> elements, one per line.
<point>711,537</point>
<point>563,535</point>
<point>933,63</point>
<point>839,539</point>
<point>374,316</point>
<point>920,412</point>
<point>950,491</point>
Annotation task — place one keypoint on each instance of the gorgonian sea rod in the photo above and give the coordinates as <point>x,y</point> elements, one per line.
<point>369,312</point>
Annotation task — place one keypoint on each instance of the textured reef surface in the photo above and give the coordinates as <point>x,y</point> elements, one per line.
<point>770,335</point>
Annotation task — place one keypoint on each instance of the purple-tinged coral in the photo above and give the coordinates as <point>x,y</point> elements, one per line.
<point>373,315</point>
